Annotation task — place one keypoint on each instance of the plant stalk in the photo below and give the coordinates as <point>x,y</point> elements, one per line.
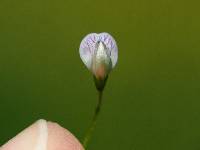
<point>92,126</point>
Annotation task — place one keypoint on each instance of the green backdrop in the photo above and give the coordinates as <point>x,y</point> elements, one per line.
<point>152,99</point>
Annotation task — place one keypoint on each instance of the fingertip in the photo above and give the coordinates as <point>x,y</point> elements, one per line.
<point>43,135</point>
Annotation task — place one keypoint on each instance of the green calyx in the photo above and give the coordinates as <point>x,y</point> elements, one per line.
<point>100,83</point>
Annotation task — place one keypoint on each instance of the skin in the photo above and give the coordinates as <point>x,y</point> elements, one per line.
<point>43,135</point>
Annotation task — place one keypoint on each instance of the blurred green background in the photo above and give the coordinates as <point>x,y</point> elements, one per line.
<point>152,99</point>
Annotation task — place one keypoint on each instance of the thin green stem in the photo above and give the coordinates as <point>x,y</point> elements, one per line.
<point>92,126</point>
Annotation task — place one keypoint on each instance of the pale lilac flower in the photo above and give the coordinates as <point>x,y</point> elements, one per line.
<point>99,53</point>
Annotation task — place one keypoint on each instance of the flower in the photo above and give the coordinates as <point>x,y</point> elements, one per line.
<point>99,53</point>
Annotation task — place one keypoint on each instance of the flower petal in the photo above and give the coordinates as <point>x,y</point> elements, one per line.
<point>87,48</point>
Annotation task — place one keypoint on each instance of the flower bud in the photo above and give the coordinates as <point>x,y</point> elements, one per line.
<point>99,53</point>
